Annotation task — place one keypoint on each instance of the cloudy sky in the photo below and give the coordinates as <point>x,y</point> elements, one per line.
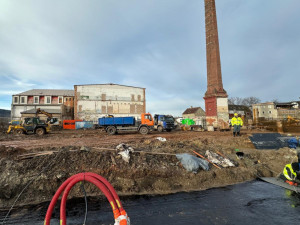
<point>156,44</point>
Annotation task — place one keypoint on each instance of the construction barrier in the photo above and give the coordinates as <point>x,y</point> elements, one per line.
<point>84,125</point>
<point>70,124</point>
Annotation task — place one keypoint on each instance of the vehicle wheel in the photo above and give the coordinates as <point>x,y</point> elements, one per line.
<point>40,131</point>
<point>160,129</point>
<point>111,130</point>
<point>144,130</point>
<point>18,131</point>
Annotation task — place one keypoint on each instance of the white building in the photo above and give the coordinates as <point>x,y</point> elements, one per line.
<point>98,100</point>
<point>59,102</point>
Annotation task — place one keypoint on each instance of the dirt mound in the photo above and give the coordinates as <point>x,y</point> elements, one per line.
<point>10,152</point>
<point>153,167</point>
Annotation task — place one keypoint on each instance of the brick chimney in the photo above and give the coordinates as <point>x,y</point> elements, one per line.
<point>216,98</point>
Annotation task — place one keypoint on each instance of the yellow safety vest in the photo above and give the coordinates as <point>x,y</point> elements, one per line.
<point>286,174</point>
<point>236,121</point>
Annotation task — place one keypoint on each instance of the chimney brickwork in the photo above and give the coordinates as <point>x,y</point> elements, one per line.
<point>216,104</point>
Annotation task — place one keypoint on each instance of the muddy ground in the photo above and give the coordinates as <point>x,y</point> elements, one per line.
<point>62,154</point>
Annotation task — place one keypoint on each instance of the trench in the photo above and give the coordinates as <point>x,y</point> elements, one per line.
<point>254,202</point>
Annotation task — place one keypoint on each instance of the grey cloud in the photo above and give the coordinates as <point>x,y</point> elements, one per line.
<point>159,45</point>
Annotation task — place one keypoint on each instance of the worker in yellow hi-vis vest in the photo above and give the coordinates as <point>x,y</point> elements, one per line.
<point>237,123</point>
<point>291,173</point>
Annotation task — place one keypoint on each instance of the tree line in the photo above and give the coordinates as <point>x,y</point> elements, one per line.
<point>248,101</point>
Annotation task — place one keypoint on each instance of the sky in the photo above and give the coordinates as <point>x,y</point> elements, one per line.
<point>155,44</point>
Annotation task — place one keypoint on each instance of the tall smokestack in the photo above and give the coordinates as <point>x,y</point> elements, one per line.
<point>216,102</point>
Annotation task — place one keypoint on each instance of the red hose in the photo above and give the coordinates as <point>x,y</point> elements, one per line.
<point>110,187</point>
<point>54,200</point>
<point>80,177</point>
<point>96,179</point>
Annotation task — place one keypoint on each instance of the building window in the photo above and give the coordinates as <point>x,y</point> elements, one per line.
<point>36,100</point>
<point>16,99</point>
<point>22,100</point>
<point>48,99</point>
<point>60,100</point>
<point>270,112</point>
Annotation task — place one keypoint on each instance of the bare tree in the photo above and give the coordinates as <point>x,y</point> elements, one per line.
<point>248,101</point>
<point>235,101</point>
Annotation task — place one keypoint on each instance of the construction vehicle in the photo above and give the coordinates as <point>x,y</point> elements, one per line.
<point>54,123</point>
<point>291,120</point>
<point>164,123</point>
<point>114,124</point>
<point>13,124</point>
<point>31,125</point>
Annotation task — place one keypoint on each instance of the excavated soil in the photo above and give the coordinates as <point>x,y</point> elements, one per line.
<point>62,154</point>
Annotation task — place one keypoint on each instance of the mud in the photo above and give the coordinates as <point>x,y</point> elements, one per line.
<point>71,152</point>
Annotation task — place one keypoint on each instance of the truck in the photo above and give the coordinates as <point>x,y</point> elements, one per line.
<point>113,124</point>
<point>164,123</point>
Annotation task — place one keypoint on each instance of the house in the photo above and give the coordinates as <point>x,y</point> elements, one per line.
<point>276,110</point>
<point>60,103</point>
<point>97,100</point>
<point>265,110</point>
<point>195,113</point>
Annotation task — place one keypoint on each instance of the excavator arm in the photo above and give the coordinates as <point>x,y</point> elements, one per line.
<point>39,111</point>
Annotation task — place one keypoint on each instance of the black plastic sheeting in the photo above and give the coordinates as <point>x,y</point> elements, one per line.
<point>269,141</point>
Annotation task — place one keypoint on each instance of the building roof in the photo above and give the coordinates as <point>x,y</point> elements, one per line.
<point>45,92</point>
<point>239,107</point>
<point>33,111</point>
<point>287,103</point>
<point>263,103</point>
<point>192,110</point>
<point>108,84</point>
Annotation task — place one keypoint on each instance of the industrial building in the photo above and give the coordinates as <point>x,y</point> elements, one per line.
<point>97,100</point>
<point>60,103</point>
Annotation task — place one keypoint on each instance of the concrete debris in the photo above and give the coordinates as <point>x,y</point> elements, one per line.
<point>85,149</point>
<point>161,139</point>
<point>218,159</point>
<point>125,155</point>
<point>124,151</point>
<point>123,147</point>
